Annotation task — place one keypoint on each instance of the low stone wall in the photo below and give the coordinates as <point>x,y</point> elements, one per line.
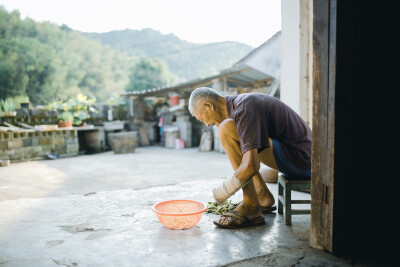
<point>24,146</point>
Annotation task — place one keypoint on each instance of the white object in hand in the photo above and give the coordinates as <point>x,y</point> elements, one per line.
<point>228,188</point>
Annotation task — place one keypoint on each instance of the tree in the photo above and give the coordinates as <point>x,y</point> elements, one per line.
<point>47,62</point>
<point>149,73</point>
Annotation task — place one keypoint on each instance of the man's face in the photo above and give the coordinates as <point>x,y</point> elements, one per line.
<point>207,113</point>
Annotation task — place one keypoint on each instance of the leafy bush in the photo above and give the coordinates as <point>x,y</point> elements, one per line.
<point>66,116</point>
<point>116,100</point>
<point>7,106</point>
<point>19,99</point>
<point>79,106</point>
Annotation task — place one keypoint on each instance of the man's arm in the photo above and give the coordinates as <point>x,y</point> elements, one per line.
<point>249,167</point>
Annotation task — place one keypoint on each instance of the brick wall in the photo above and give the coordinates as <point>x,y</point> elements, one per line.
<point>26,145</point>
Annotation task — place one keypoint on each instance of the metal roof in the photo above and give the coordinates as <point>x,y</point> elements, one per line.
<point>248,77</point>
<point>237,76</point>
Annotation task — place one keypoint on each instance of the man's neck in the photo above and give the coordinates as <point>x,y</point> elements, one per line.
<point>222,107</point>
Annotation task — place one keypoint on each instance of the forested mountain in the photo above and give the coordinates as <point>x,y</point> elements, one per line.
<point>47,62</point>
<point>185,60</point>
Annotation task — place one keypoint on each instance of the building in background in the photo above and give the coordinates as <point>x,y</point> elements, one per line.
<point>296,57</point>
<point>168,115</point>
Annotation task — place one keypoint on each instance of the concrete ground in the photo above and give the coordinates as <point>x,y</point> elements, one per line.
<point>96,211</point>
<point>147,167</point>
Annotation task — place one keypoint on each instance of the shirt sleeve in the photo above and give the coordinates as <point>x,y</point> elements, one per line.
<point>252,128</point>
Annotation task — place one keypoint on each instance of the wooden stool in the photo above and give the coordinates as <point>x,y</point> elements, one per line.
<point>285,186</point>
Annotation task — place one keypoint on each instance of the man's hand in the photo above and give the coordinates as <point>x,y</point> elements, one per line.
<point>247,169</point>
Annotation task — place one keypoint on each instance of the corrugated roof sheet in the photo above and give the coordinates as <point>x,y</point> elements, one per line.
<point>240,73</point>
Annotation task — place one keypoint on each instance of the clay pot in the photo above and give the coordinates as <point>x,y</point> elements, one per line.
<point>65,124</point>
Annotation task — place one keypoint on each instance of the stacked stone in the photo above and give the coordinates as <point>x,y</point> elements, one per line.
<point>185,129</point>
<point>28,145</point>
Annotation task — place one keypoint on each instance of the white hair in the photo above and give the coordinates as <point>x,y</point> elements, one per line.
<point>199,94</point>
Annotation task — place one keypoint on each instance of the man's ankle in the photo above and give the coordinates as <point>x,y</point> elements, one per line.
<point>251,205</point>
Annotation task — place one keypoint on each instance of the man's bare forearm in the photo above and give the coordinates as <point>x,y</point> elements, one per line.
<point>247,169</point>
<point>249,166</point>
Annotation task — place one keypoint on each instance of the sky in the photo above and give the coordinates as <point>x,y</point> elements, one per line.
<point>199,21</point>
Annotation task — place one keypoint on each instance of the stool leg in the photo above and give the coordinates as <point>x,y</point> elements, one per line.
<point>280,193</point>
<point>288,205</point>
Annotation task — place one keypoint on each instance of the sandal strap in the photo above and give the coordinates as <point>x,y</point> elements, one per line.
<point>236,215</point>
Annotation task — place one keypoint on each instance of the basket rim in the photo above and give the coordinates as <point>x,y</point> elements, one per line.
<point>178,214</point>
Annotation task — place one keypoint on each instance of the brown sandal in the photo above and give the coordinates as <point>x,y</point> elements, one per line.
<point>268,209</point>
<point>238,216</point>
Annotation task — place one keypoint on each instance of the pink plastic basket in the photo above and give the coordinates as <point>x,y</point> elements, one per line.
<point>179,214</point>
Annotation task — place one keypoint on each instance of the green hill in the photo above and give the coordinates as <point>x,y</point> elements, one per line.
<point>47,62</point>
<point>185,60</point>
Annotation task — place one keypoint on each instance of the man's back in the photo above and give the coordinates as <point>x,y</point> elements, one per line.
<point>260,116</point>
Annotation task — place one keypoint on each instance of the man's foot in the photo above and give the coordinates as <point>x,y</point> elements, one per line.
<point>249,212</point>
<point>265,197</point>
<point>244,221</point>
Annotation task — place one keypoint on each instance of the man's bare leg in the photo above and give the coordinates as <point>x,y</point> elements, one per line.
<point>230,140</point>
<point>264,195</point>
<point>256,191</point>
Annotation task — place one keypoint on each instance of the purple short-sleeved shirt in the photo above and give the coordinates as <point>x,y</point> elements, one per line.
<point>260,116</point>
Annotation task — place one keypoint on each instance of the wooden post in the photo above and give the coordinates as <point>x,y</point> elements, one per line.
<point>280,193</point>
<point>288,205</point>
<point>322,187</point>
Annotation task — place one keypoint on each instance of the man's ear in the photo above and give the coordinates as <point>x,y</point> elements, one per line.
<point>208,105</point>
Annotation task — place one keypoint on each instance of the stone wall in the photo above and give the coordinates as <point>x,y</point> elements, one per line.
<point>33,145</point>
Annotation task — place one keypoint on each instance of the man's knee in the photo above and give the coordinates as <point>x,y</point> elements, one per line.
<point>227,129</point>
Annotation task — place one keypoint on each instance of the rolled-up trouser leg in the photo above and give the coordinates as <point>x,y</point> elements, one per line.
<point>228,188</point>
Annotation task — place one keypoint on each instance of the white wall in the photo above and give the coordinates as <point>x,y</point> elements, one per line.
<point>290,60</point>
<point>267,57</point>
<point>295,64</point>
<point>310,62</point>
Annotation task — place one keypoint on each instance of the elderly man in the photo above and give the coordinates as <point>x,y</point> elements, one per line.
<point>253,128</point>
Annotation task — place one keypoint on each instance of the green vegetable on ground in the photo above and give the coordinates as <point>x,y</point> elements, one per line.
<point>213,207</point>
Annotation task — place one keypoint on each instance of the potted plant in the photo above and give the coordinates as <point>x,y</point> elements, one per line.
<point>79,106</point>
<point>8,108</point>
<point>65,119</point>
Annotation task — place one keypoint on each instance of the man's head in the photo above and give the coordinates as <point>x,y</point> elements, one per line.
<point>208,106</point>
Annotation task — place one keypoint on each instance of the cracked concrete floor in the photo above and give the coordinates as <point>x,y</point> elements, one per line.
<point>98,213</point>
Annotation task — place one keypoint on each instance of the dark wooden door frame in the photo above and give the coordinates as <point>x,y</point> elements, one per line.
<point>352,189</point>
<point>323,148</point>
